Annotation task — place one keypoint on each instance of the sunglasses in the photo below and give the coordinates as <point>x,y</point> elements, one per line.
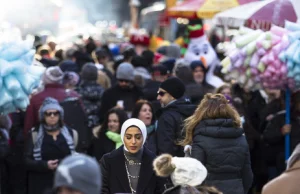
<point>161,93</point>
<point>124,80</point>
<point>48,114</point>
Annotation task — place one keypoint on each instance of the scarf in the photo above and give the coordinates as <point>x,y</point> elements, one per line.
<point>40,136</point>
<point>150,129</point>
<point>115,137</point>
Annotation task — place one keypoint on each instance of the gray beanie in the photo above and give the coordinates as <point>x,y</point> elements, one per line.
<point>79,172</point>
<point>89,72</point>
<point>48,104</point>
<point>53,75</point>
<point>125,71</point>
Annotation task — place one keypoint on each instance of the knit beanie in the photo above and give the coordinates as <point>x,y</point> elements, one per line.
<point>71,78</point>
<point>183,170</point>
<point>125,71</point>
<point>174,87</point>
<point>79,172</point>
<point>89,72</point>
<point>53,75</point>
<point>48,104</point>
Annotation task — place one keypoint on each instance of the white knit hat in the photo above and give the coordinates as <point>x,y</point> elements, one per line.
<point>137,123</point>
<point>183,171</point>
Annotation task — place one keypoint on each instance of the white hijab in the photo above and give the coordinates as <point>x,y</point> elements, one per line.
<point>137,123</point>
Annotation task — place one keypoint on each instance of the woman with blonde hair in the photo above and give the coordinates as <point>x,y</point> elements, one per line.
<point>218,141</point>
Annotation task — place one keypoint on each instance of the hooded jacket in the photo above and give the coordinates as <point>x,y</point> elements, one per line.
<point>223,150</point>
<point>170,126</point>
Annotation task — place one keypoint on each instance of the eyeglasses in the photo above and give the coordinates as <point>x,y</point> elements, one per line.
<point>161,93</point>
<point>48,114</point>
<point>123,80</point>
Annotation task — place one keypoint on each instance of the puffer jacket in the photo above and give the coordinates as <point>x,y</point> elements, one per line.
<point>91,94</point>
<point>170,126</point>
<point>224,151</point>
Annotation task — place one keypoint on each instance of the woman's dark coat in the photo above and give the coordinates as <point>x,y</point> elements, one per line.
<point>115,179</point>
<point>224,151</point>
<point>101,145</point>
<point>40,177</point>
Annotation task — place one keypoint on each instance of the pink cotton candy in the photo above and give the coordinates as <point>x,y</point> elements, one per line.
<point>261,51</point>
<point>279,31</point>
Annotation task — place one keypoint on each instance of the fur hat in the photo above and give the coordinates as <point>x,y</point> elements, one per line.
<point>53,75</point>
<point>183,171</point>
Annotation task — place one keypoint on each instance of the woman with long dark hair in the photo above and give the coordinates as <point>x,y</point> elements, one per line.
<point>218,141</point>
<point>108,136</point>
<point>143,110</point>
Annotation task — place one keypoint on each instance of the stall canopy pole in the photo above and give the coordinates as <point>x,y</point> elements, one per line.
<point>287,121</point>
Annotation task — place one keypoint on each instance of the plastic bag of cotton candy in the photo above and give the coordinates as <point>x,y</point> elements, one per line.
<point>266,59</point>
<point>19,76</point>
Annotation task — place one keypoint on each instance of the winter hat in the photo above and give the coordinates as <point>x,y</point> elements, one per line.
<point>89,72</point>
<point>79,172</point>
<point>53,75</point>
<point>173,86</point>
<point>134,122</point>
<point>173,51</point>
<point>50,103</point>
<point>198,63</point>
<point>71,78</point>
<point>125,71</point>
<point>159,70</point>
<point>183,171</point>
<point>169,64</point>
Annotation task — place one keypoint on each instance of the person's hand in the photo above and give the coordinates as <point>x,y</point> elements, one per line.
<point>270,117</point>
<point>52,164</point>
<point>286,129</point>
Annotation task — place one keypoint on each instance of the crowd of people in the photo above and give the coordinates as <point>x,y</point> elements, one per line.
<point>130,112</point>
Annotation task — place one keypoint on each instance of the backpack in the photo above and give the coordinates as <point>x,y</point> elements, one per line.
<point>34,134</point>
<point>75,118</point>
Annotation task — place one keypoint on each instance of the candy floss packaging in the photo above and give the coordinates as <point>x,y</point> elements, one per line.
<point>18,76</point>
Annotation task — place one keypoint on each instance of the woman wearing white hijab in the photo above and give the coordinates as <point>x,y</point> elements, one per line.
<point>129,168</point>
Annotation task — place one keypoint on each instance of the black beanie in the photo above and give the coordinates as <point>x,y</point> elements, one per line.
<point>89,72</point>
<point>174,87</point>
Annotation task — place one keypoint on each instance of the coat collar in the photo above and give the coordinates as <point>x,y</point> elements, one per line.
<point>146,171</point>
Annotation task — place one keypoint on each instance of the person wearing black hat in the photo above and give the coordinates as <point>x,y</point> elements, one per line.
<point>159,74</point>
<point>170,117</point>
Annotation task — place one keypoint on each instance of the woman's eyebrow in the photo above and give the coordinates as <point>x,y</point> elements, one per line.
<point>133,134</point>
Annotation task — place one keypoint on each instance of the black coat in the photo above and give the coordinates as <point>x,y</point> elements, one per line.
<point>40,178</point>
<point>170,126</point>
<point>115,178</point>
<point>91,94</point>
<point>100,146</point>
<point>112,95</point>
<point>276,140</point>
<point>224,151</point>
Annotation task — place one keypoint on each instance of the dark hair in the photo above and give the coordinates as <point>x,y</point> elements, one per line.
<point>137,108</point>
<point>129,53</point>
<point>138,61</point>
<point>122,115</point>
<point>149,57</point>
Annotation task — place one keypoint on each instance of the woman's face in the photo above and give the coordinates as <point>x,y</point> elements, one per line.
<point>226,92</point>
<point>198,74</point>
<point>51,117</point>
<point>113,123</point>
<point>145,114</point>
<point>133,139</point>
<point>66,190</point>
